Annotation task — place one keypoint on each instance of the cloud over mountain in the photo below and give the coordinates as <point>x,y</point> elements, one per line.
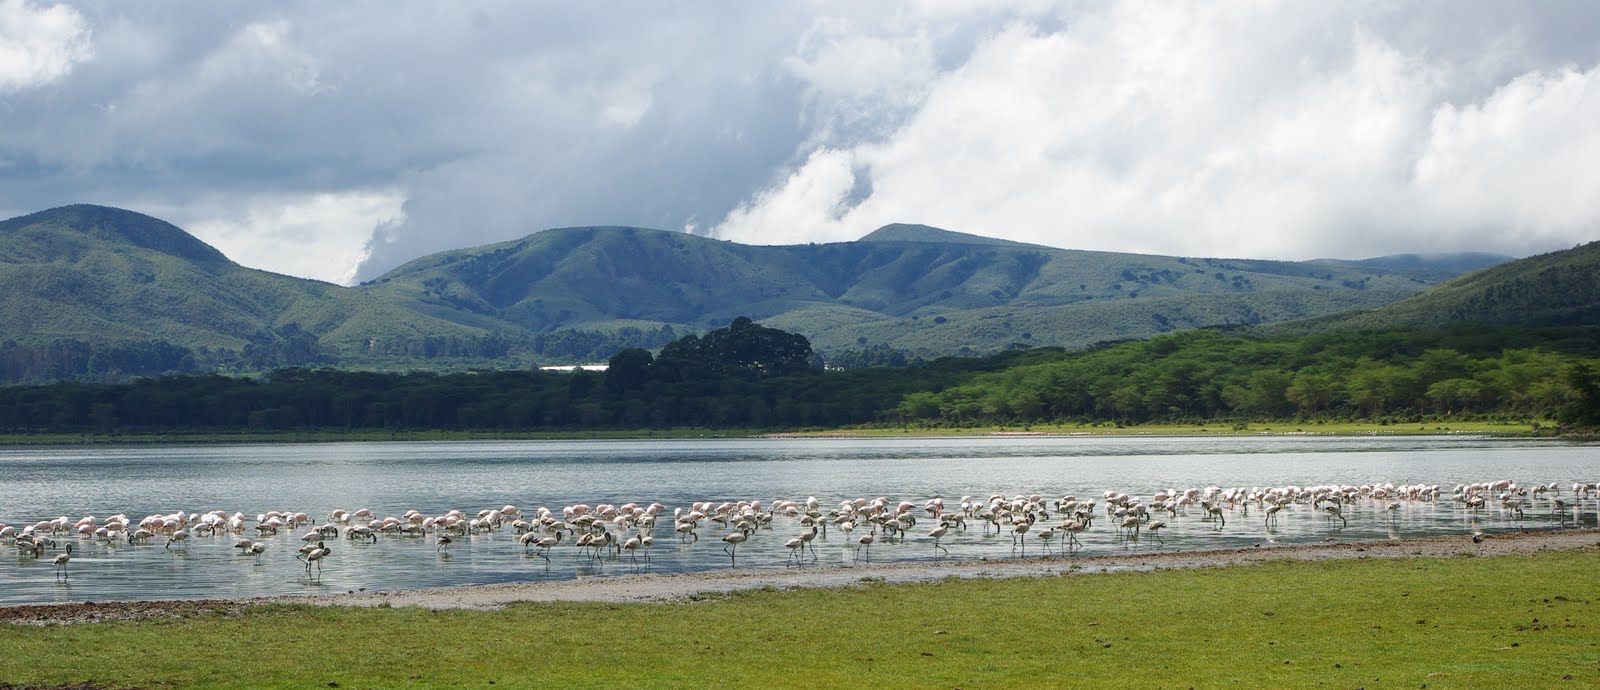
<point>337,140</point>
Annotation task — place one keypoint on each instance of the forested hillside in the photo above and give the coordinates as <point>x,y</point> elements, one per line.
<point>1556,289</point>
<point>102,294</point>
<point>1203,375</point>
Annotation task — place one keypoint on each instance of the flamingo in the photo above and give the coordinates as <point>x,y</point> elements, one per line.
<point>1130,528</point>
<point>809,537</point>
<point>938,533</point>
<point>542,544</point>
<point>1215,512</point>
<point>1272,513</point>
<point>795,546</point>
<point>1334,511</point>
<point>315,556</point>
<point>632,546</point>
<point>733,540</point>
<point>179,537</point>
<point>1072,528</point>
<point>1045,535</point>
<point>1021,529</point>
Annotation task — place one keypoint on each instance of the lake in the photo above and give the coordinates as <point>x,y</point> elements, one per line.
<point>39,483</point>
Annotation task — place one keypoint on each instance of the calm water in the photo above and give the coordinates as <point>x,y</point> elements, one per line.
<point>390,478</point>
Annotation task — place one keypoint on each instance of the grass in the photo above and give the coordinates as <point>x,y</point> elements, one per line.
<point>1459,622</point>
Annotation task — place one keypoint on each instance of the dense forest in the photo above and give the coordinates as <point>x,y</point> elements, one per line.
<point>744,375</point>
<point>747,375</point>
<point>1209,375</point>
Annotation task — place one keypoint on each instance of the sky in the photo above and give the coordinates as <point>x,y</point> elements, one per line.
<point>339,140</point>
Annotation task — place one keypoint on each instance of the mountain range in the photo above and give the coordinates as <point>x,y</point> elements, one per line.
<point>98,274</point>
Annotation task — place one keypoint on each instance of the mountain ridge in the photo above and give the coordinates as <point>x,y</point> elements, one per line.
<point>1559,288</point>
<point>120,225</point>
<point>92,272</point>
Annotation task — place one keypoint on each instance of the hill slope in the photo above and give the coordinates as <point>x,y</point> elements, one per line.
<point>100,274</point>
<point>910,287</point>
<point>1560,288</point>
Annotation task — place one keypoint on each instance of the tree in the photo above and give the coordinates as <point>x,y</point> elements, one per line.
<point>628,369</point>
<point>743,348</point>
<point>1457,394</point>
<point>1584,408</point>
<point>922,405</point>
<point>1312,393</point>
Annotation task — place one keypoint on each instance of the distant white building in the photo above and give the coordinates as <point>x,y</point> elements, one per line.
<point>569,368</point>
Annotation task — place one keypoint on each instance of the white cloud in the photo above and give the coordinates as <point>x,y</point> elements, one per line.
<point>1520,162</point>
<point>1256,128</point>
<point>1261,129</point>
<point>805,207</point>
<point>39,44</point>
<point>320,235</point>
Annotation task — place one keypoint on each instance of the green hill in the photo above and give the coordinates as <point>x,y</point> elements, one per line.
<point>1560,288</point>
<point>98,275</point>
<point>93,274</point>
<point>1432,266</point>
<point>912,287</point>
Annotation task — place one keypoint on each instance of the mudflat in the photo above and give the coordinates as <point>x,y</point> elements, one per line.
<point>690,586</point>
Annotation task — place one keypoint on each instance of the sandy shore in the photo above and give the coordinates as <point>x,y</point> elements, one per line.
<point>690,586</point>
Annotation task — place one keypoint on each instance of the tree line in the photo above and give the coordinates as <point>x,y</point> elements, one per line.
<point>750,376</point>
<point>69,358</point>
<point>744,375</point>
<point>1366,375</point>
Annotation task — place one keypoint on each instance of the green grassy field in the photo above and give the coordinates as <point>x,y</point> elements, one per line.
<point>1458,622</point>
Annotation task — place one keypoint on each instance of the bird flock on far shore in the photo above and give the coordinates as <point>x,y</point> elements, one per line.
<point>1054,525</point>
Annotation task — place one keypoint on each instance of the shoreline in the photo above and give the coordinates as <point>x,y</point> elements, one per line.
<point>1519,430</point>
<point>684,587</point>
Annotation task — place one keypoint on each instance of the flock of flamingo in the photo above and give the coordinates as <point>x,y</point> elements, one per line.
<point>608,531</point>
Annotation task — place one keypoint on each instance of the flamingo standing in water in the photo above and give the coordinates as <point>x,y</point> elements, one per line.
<point>795,547</point>
<point>865,542</point>
<point>809,537</point>
<point>315,557</point>
<point>1155,531</point>
<point>938,533</point>
<point>632,546</point>
<point>733,540</point>
<point>179,537</point>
